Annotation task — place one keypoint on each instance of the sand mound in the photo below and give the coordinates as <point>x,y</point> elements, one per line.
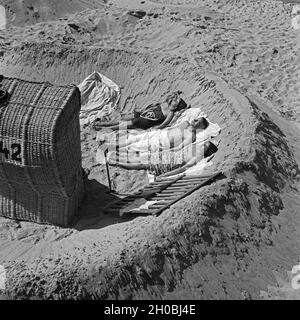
<point>223,241</point>
<point>228,223</point>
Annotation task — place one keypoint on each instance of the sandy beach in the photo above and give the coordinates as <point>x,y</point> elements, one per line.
<point>237,238</point>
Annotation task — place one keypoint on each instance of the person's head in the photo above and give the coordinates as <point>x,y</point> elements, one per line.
<point>175,101</point>
<point>200,123</point>
<point>209,149</point>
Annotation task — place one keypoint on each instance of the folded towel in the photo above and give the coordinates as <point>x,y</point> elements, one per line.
<point>99,97</point>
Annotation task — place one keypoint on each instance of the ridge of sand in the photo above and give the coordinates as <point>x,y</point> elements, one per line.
<point>223,241</point>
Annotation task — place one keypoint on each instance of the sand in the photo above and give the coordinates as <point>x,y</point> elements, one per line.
<point>234,239</point>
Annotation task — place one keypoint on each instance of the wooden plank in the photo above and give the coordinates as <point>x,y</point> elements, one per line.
<point>172,195</point>
<point>183,185</point>
<point>189,182</point>
<point>154,186</point>
<point>130,198</point>
<point>144,211</point>
<point>151,189</point>
<point>167,192</point>
<point>156,206</point>
<point>161,202</point>
<point>176,188</point>
<point>189,177</point>
<point>164,198</point>
<point>205,176</point>
<point>164,195</point>
<point>159,211</point>
<point>164,180</point>
<point>165,185</point>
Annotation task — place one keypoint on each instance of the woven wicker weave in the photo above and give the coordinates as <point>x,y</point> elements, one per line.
<point>40,154</point>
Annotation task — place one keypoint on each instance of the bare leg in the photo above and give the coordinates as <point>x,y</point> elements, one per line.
<point>129,166</point>
<point>107,124</point>
<point>122,125</point>
<point>98,125</point>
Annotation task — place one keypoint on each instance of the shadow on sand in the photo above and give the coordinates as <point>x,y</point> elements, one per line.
<point>91,215</point>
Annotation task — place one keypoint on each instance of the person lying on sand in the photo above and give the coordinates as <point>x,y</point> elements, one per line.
<point>202,151</point>
<point>185,133</point>
<point>209,149</point>
<point>159,115</point>
<point>177,137</point>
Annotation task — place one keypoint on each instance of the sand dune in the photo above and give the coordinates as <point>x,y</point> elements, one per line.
<point>224,241</point>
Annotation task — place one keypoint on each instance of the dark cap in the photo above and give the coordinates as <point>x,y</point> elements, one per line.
<point>181,105</point>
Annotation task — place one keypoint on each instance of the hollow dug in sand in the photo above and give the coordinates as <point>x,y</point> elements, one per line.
<point>211,236</point>
<point>143,78</point>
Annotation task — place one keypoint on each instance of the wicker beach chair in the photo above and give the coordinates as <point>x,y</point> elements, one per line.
<point>40,153</point>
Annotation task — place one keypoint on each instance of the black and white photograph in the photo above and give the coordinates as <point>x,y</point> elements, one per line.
<point>149,150</point>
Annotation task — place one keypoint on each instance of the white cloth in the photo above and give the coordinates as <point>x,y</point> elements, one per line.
<point>189,115</point>
<point>198,169</point>
<point>140,146</point>
<point>99,97</point>
<point>151,176</point>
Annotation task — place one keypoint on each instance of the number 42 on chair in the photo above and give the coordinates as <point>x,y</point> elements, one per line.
<point>13,153</point>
